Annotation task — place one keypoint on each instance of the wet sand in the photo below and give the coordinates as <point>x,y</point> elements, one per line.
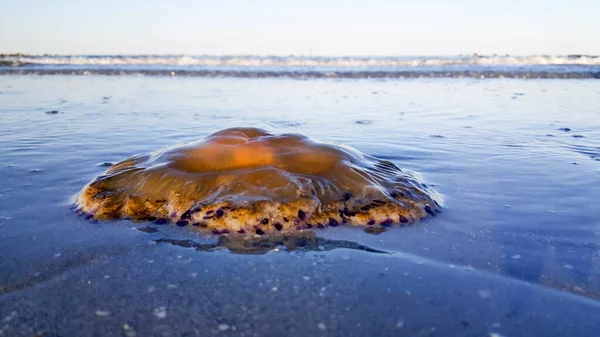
<point>515,252</point>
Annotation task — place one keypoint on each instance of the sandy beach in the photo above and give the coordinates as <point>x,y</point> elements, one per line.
<point>515,251</point>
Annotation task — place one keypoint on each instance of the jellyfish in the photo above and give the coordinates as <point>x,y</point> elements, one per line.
<point>248,180</point>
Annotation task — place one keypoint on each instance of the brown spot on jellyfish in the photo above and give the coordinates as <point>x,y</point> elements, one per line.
<point>247,180</point>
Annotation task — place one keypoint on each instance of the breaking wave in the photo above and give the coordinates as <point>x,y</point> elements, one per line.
<point>535,66</point>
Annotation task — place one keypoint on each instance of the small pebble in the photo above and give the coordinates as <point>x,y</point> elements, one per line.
<point>160,312</point>
<point>223,327</point>
<point>128,330</point>
<point>322,326</point>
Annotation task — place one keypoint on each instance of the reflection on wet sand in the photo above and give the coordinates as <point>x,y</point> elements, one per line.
<point>293,241</point>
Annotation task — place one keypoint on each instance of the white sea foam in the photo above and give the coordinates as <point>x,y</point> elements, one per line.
<point>537,66</point>
<point>304,61</point>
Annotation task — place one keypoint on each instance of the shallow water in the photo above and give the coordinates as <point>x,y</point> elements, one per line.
<point>516,251</point>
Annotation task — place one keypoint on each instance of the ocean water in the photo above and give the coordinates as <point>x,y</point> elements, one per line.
<point>516,251</point>
<point>307,67</point>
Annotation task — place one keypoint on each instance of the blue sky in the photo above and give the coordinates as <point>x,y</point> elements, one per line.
<point>299,27</point>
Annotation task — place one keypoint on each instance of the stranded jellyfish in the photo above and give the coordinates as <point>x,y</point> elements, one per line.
<point>247,180</point>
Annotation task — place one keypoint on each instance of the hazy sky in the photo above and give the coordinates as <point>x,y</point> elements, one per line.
<point>376,27</point>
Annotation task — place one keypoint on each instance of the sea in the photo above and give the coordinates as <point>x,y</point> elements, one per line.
<point>511,143</point>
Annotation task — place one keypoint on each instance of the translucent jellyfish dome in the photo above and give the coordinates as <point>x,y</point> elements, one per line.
<point>247,180</point>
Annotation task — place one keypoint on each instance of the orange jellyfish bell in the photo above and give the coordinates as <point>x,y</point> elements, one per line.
<point>247,180</point>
